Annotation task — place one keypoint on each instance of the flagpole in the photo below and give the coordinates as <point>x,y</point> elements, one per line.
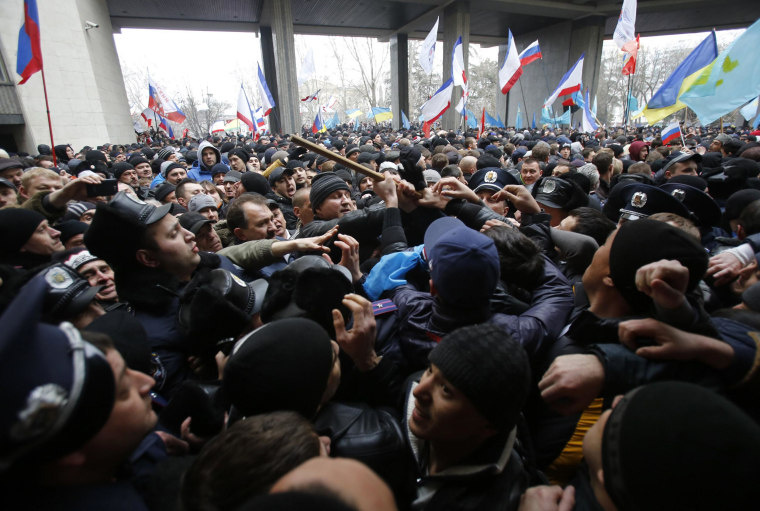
<point>47,108</point>
<point>548,91</point>
<point>525,103</point>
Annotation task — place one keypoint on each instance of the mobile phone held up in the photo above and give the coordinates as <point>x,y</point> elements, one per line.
<point>105,188</point>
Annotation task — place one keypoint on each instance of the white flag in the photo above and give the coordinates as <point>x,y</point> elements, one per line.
<point>457,65</point>
<point>624,35</point>
<point>308,69</point>
<point>427,49</point>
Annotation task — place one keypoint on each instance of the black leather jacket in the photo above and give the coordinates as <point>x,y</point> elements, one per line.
<point>370,435</point>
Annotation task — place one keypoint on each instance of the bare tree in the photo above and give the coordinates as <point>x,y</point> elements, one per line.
<point>654,65</point>
<point>372,59</point>
<point>201,115</point>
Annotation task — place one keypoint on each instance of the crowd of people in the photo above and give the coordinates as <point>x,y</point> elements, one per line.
<point>532,320</point>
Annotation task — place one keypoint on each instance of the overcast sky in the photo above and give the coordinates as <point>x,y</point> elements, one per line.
<point>216,61</point>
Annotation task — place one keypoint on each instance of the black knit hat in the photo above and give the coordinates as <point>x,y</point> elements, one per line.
<point>71,228</point>
<point>120,168</point>
<point>164,190</point>
<point>675,445</point>
<point>16,227</point>
<point>489,367</point>
<point>219,168</point>
<point>255,182</point>
<point>240,153</point>
<point>322,185</point>
<point>644,241</point>
<point>137,160</point>
<point>283,365</point>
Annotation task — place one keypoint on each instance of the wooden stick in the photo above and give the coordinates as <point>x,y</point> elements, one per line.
<point>356,167</point>
<point>274,165</point>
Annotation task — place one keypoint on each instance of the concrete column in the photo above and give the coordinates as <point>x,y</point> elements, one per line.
<point>456,22</point>
<point>88,100</point>
<point>283,51</point>
<point>540,78</point>
<point>399,45</point>
<point>270,73</point>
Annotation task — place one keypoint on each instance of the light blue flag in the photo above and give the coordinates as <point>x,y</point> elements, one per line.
<point>633,104</point>
<point>564,118</point>
<point>578,99</point>
<point>593,108</point>
<point>518,119</point>
<point>405,121</point>
<point>533,124</point>
<point>749,111</point>
<point>490,121</point>
<point>757,122</point>
<point>730,81</point>
<point>500,122</point>
<point>472,121</point>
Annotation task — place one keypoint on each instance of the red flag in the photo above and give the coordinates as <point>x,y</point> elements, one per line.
<point>629,66</point>
<point>482,128</point>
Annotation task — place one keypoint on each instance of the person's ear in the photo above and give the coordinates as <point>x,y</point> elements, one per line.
<point>607,281</point>
<point>239,234</point>
<point>600,476</point>
<point>146,258</point>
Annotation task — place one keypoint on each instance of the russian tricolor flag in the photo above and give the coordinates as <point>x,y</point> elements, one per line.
<point>530,54</point>
<point>671,133</point>
<point>569,83</point>
<point>29,59</point>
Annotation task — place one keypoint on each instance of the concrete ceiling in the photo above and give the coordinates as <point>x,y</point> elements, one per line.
<point>489,19</point>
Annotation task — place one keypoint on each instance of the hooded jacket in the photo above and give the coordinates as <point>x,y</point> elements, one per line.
<point>199,171</point>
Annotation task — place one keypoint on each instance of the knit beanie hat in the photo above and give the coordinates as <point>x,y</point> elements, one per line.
<point>165,153</point>
<point>240,153</point>
<point>675,445</point>
<point>75,210</point>
<point>322,185</point>
<point>489,367</point>
<point>16,227</point>
<point>219,168</point>
<point>71,228</point>
<point>168,166</point>
<point>120,168</point>
<point>284,365</point>
<point>645,241</point>
<point>164,190</point>
<point>137,160</point>
<point>255,182</point>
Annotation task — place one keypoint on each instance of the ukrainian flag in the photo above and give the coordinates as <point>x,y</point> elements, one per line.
<point>666,100</point>
<point>732,80</point>
<point>382,114</point>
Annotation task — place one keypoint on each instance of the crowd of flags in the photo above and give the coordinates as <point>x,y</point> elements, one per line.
<point>709,83</point>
